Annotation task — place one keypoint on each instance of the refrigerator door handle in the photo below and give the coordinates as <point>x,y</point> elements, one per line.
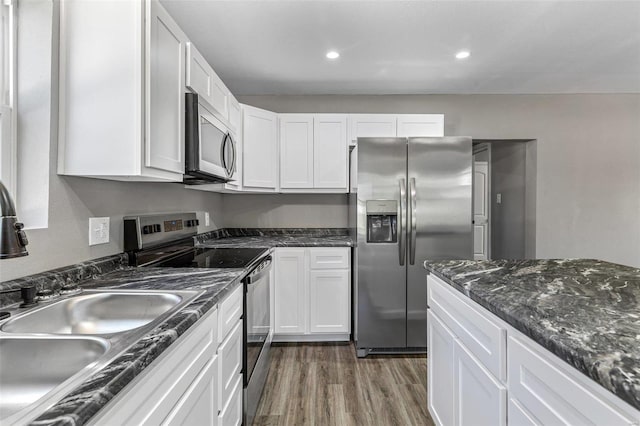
<point>401,236</point>
<point>413,219</point>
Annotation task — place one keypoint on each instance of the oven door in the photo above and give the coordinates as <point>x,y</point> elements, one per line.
<point>257,315</point>
<point>257,329</point>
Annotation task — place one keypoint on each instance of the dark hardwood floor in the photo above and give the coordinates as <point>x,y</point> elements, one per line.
<point>325,384</point>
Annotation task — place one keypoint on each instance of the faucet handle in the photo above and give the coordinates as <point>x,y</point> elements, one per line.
<point>28,293</point>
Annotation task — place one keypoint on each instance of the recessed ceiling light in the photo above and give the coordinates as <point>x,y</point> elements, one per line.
<point>463,54</point>
<point>332,54</point>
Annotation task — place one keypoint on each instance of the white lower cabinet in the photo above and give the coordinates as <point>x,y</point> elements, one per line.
<point>231,414</point>
<point>312,300</point>
<point>198,405</point>
<point>440,395</point>
<point>551,394</point>
<point>480,400</point>
<point>290,283</point>
<point>329,300</point>
<point>197,381</point>
<point>230,364</point>
<point>482,371</point>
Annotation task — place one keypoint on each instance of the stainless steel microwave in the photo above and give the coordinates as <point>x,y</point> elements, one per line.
<point>210,150</point>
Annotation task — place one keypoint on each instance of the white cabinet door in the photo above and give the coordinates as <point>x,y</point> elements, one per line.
<point>290,284</point>
<point>330,151</point>
<point>329,301</point>
<point>199,405</point>
<point>235,117</point>
<point>203,80</point>
<point>296,151</point>
<point>440,390</point>
<point>480,400</point>
<point>260,148</point>
<point>415,125</point>
<point>164,136</point>
<point>372,126</point>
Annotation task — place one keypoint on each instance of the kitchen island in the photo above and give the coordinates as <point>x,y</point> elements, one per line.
<point>585,312</point>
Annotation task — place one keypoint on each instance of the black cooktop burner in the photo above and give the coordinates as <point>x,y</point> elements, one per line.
<point>215,258</point>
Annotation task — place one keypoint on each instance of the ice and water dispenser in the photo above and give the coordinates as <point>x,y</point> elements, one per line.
<point>382,221</point>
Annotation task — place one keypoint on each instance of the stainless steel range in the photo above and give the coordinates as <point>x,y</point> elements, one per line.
<point>166,240</point>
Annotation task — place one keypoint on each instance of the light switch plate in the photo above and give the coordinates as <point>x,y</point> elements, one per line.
<point>98,230</point>
<point>206,219</point>
<point>499,198</point>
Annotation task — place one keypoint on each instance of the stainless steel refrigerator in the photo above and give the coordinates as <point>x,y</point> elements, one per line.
<point>413,202</point>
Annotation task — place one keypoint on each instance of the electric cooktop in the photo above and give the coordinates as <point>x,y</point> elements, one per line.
<point>215,258</point>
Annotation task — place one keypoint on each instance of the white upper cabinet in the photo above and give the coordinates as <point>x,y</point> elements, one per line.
<point>415,125</point>
<point>296,151</point>
<point>121,91</point>
<point>164,141</point>
<point>372,126</point>
<point>260,149</point>
<point>235,116</point>
<point>203,80</point>
<point>330,152</point>
<point>313,153</point>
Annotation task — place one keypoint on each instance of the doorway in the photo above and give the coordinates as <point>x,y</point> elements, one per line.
<point>504,185</point>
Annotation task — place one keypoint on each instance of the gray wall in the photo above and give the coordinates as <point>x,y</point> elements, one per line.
<point>508,178</point>
<point>588,157</point>
<point>285,211</point>
<point>74,200</point>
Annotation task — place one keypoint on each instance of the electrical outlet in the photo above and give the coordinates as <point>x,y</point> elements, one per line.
<point>499,198</point>
<point>98,230</point>
<point>206,219</point>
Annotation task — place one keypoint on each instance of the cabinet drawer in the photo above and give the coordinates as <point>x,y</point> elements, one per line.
<point>231,414</point>
<point>482,336</point>
<point>548,393</point>
<point>329,258</point>
<point>229,363</point>
<point>230,311</point>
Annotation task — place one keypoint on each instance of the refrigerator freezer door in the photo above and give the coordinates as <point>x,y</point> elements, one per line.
<point>440,209</point>
<point>381,279</point>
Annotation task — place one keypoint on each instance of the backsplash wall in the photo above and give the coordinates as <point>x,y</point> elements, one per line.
<point>285,210</point>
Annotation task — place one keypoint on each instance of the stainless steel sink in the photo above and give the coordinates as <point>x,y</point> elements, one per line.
<point>96,313</point>
<point>47,351</point>
<point>30,367</point>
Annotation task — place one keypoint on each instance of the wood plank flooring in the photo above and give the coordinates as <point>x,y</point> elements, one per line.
<point>326,384</point>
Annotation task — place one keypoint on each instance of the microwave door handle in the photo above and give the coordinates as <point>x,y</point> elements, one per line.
<point>222,152</point>
<point>232,169</point>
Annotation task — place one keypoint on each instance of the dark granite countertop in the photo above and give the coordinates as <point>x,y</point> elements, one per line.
<point>83,402</point>
<point>276,237</point>
<point>585,311</point>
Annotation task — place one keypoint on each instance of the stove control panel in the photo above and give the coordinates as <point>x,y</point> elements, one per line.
<point>146,231</point>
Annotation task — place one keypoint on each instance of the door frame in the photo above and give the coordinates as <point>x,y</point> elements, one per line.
<point>477,149</point>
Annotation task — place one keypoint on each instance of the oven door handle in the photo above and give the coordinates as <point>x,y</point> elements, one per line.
<point>265,266</point>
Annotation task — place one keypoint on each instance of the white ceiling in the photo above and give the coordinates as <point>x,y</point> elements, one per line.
<point>396,47</point>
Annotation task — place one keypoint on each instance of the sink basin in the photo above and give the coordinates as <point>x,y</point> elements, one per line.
<point>95,313</point>
<point>30,367</point>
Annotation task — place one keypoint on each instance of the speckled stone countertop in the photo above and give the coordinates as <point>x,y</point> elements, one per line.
<point>276,237</point>
<point>585,311</point>
<point>83,402</point>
